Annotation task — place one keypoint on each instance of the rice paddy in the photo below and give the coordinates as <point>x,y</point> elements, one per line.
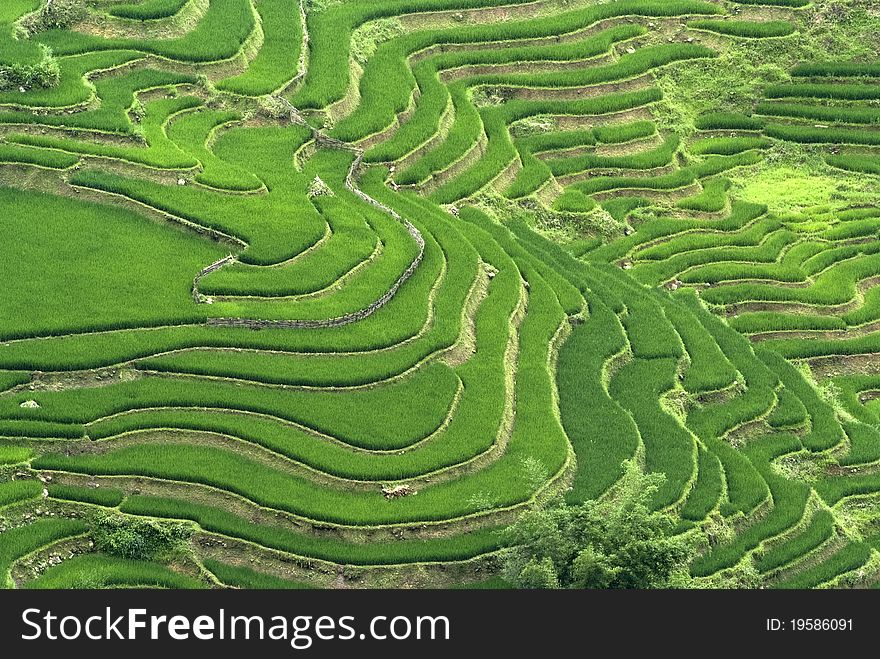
<point>343,288</point>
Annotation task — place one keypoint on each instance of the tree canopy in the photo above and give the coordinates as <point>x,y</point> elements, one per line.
<point>615,542</point>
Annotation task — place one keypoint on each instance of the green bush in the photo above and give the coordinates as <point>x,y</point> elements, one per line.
<point>45,73</point>
<point>137,539</point>
<point>615,544</point>
<point>56,15</point>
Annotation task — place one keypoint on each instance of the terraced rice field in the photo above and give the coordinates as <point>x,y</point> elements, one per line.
<point>345,286</point>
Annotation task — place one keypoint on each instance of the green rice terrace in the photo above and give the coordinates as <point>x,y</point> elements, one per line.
<point>328,293</point>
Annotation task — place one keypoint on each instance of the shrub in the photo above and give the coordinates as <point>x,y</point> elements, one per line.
<point>137,539</point>
<point>603,222</point>
<point>45,73</point>
<point>273,107</point>
<point>57,15</point>
<point>615,544</point>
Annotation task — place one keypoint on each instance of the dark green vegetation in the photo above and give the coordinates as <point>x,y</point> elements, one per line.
<point>373,293</point>
<point>616,543</point>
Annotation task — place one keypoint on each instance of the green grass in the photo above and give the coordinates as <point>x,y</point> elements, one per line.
<point>864,444</point>
<point>232,20</point>
<point>262,222</point>
<point>21,541</point>
<point>651,159</point>
<point>629,219</point>
<point>709,369</point>
<point>386,79</point>
<point>342,414</point>
<point>15,491</point>
<point>844,91</point>
<point>331,31</point>
<point>10,379</point>
<point>812,135</point>
<point>14,9</point>
<point>99,571</point>
<point>818,531</point>
<point>837,69</point>
<point>192,131</point>
<point>589,414</point>
<point>727,121</point>
<point>92,245</point>
<point>825,432</point>
<point>727,146</point>
<point>322,547</point>
<point>789,411</point>
<point>72,88</point>
<point>775,3</point>
<point>98,496</point>
<point>117,96</point>
<point>712,199</point>
<point>276,63</point>
<point>160,152</point>
<point>850,558</point>
<point>790,500</point>
<point>856,163</point>
<point>669,448</point>
<point>749,29</point>
<point>829,113</point>
<point>707,489</point>
<point>242,577</point>
<point>14,454</point>
<point>147,10</point>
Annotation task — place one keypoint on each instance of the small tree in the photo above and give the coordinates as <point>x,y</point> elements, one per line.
<point>615,543</point>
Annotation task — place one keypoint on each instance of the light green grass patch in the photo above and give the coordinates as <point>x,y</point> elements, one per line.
<point>786,189</point>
